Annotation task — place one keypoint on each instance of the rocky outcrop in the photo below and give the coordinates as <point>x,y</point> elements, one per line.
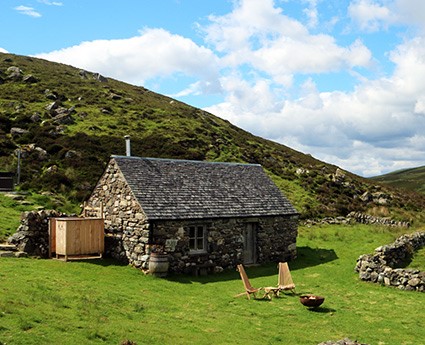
<point>384,265</point>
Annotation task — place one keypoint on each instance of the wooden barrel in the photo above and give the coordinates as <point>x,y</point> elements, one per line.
<point>158,264</point>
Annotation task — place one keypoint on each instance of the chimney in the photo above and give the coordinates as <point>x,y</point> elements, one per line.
<point>127,146</point>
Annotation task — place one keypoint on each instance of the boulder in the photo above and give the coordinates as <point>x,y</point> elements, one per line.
<point>14,73</point>
<point>16,131</point>
<point>30,79</point>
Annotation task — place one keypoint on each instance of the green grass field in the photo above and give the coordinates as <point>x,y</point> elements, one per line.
<point>102,302</point>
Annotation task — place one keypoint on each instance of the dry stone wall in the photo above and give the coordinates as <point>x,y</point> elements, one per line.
<point>359,217</point>
<point>383,266</point>
<point>32,236</point>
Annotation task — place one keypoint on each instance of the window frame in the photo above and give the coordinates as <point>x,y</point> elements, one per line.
<point>194,240</point>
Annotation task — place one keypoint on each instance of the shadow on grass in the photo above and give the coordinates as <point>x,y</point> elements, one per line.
<point>306,257</point>
<point>105,262</point>
<point>322,310</point>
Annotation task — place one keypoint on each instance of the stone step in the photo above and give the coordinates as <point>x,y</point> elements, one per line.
<point>7,254</point>
<point>12,254</point>
<point>8,247</point>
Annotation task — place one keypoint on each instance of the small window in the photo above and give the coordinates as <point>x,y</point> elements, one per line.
<point>197,238</point>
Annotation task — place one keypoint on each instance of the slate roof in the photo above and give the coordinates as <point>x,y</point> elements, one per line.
<point>183,189</point>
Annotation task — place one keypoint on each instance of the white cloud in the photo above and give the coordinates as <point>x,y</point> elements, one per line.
<point>312,13</point>
<point>154,53</point>
<point>2,50</point>
<point>376,128</point>
<point>50,3</point>
<point>374,15</point>
<point>260,35</point>
<point>411,12</point>
<point>370,15</point>
<point>29,11</point>
<point>260,58</point>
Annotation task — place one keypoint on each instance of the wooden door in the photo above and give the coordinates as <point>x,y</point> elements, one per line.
<point>249,250</point>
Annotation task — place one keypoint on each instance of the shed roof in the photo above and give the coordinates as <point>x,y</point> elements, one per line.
<point>183,189</point>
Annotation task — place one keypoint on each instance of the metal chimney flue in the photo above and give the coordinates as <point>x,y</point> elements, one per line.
<point>127,146</point>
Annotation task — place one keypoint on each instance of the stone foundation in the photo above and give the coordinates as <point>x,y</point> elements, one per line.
<point>384,265</point>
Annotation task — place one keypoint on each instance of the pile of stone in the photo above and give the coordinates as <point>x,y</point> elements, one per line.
<point>32,236</point>
<point>383,266</point>
<point>345,341</point>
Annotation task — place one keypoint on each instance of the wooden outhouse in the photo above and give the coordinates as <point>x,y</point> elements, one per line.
<point>76,238</point>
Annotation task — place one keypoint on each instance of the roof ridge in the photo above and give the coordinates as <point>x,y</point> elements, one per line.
<point>182,160</point>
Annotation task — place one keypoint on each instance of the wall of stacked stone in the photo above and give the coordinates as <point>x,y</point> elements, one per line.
<point>359,217</point>
<point>384,266</point>
<point>276,241</point>
<point>32,236</point>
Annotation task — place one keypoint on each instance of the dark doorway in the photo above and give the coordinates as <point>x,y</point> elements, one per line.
<point>249,250</point>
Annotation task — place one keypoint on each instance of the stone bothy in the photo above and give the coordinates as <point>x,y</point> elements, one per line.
<point>206,216</point>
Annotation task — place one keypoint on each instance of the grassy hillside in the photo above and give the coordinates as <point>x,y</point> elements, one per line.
<point>409,179</point>
<point>100,302</point>
<point>67,122</point>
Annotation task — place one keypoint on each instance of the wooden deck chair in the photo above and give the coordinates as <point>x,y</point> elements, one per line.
<point>248,287</point>
<point>285,279</point>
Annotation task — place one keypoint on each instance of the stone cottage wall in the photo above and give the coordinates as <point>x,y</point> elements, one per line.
<point>276,241</point>
<point>126,228</point>
<point>383,265</point>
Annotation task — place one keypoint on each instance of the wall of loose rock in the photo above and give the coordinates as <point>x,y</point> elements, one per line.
<point>32,236</point>
<point>358,217</point>
<point>384,265</point>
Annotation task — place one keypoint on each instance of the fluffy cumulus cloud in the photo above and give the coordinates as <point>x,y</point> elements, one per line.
<point>2,50</point>
<point>154,53</point>
<point>370,15</point>
<point>265,64</point>
<point>374,15</point>
<point>259,34</point>
<point>376,128</point>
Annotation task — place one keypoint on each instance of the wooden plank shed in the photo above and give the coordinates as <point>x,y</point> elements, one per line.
<point>76,238</point>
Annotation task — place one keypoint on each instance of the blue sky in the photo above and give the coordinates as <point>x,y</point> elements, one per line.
<point>341,80</point>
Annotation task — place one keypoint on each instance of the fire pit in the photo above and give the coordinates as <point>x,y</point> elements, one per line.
<point>311,301</point>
